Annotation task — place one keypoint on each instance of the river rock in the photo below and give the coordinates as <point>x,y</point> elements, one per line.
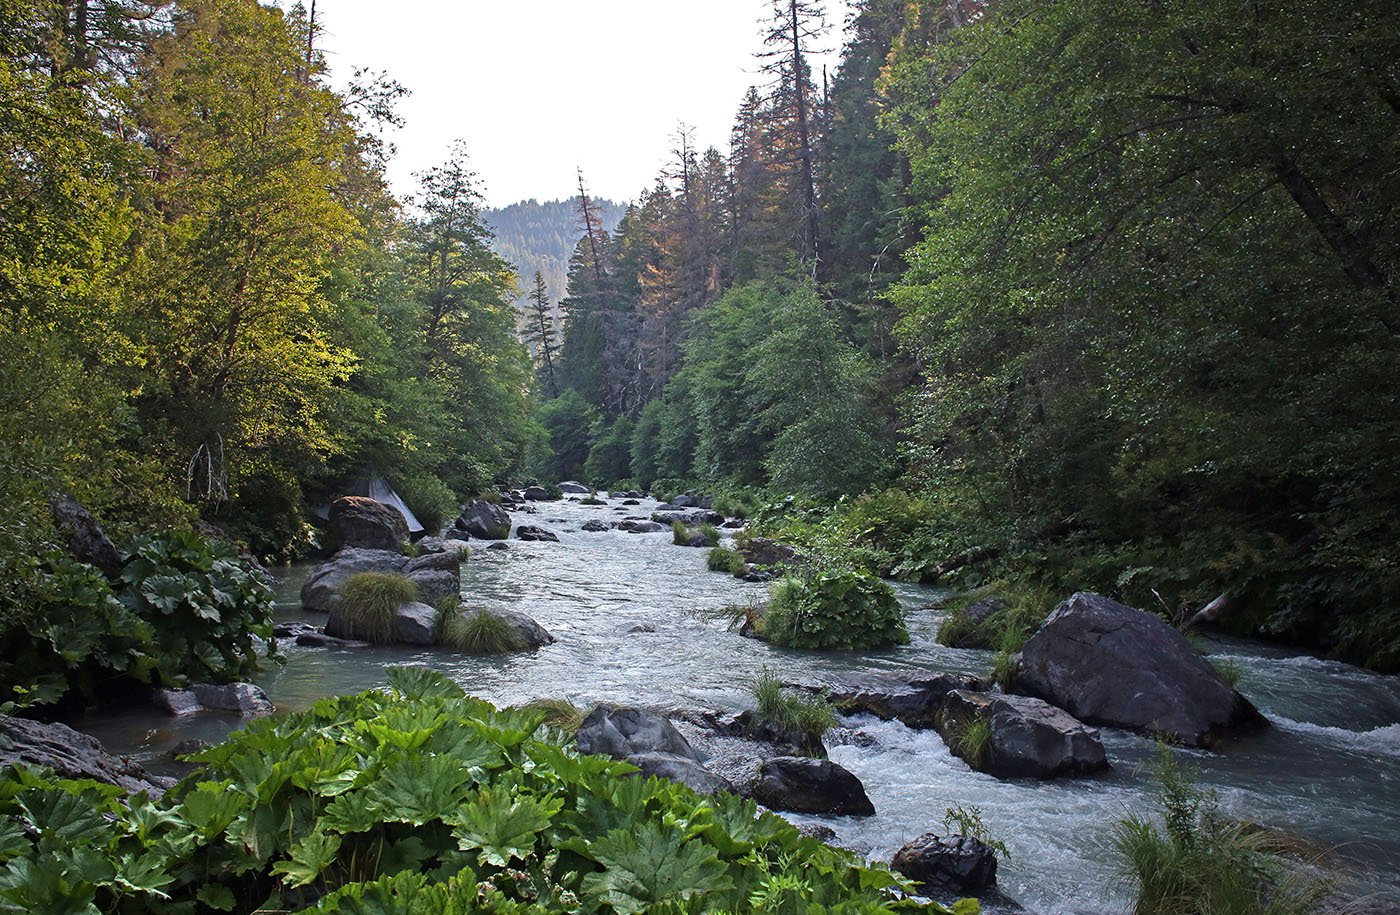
<point>437,575</point>
<point>72,754</point>
<point>536,494</point>
<point>416,624</point>
<point>760,551</point>
<point>622,731</point>
<point>529,634</point>
<point>977,634</point>
<point>575,487</point>
<point>698,539</point>
<point>526,532</point>
<point>244,699</point>
<point>804,785</point>
<point>593,525</point>
<point>497,547</point>
<point>1030,738</point>
<point>84,537</point>
<point>1109,664</point>
<point>945,866</point>
<point>310,636</point>
<point>631,501</point>
<point>674,768</point>
<point>640,527</point>
<point>484,520</point>
<point>912,697</point>
<point>359,521</point>
<point>691,517</point>
<point>437,545</point>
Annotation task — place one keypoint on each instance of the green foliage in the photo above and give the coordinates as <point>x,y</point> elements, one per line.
<point>833,607</point>
<point>790,711</point>
<point>558,713</point>
<point>971,739</point>
<point>1199,862</point>
<point>368,601</point>
<point>609,452</point>
<point>416,799</point>
<point>722,559</point>
<point>679,533</point>
<point>1026,605</point>
<point>480,632</point>
<point>183,610</point>
<point>567,419</point>
<point>968,823</point>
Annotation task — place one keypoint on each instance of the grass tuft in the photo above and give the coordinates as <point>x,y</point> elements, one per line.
<point>971,739</point>
<point>786,710</point>
<point>480,632</point>
<point>558,712</point>
<point>369,599</point>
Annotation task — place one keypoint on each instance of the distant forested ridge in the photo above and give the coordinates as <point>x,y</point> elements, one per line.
<point>533,236</point>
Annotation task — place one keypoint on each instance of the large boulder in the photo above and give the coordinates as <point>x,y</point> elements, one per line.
<point>358,521</point>
<point>912,697</point>
<point>575,487</point>
<point>760,551</point>
<point>71,754</point>
<point>415,624</point>
<point>84,537</point>
<point>649,742</point>
<point>946,866</point>
<point>688,517</point>
<point>242,699</point>
<point>804,785</point>
<point>536,494</point>
<point>484,521</point>
<point>640,527</point>
<point>528,634</point>
<point>1109,664</point>
<point>1029,738</point>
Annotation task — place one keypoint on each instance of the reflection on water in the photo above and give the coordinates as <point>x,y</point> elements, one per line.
<point>1328,770</point>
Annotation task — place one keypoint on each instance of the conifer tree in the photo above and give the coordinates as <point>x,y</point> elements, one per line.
<point>539,334</point>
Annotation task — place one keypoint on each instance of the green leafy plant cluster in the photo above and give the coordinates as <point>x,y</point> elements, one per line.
<point>369,599</point>
<point>415,799</point>
<point>1197,861</point>
<point>722,559</point>
<point>828,606</point>
<point>183,609</point>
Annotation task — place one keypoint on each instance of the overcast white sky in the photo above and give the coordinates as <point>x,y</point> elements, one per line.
<point>538,87</point>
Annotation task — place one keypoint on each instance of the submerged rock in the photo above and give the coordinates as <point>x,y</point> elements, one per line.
<point>72,754</point>
<point>804,785</point>
<point>1029,738</point>
<point>359,521</point>
<point>243,699</point>
<point>1109,664</point>
<point>946,866</point>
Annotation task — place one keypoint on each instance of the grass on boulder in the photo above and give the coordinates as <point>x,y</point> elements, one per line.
<point>480,632</point>
<point>787,710</point>
<point>368,601</point>
<point>558,712</point>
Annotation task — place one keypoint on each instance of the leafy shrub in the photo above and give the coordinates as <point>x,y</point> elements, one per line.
<point>833,608</point>
<point>416,799</point>
<point>721,559</point>
<point>738,616</point>
<point>183,610</point>
<point>431,500</point>
<point>789,711</point>
<point>480,632</point>
<point>369,599</point>
<point>1198,862</point>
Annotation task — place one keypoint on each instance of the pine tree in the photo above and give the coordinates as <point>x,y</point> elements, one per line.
<point>539,333</point>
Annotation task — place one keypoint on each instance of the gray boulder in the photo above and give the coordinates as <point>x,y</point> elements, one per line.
<point>689,517</point>
<point>913,697</point>
<point>484,520</point>
<point>437,575</point>
<point>621,731</point>
<point>760,551</point>
<point>526,532</point>
<point>358,521</point>
<point>432,545</point>
<point>528,634</point>
<point>1029,738</point>
<point>498,547</point>
<point>674,768</point>
<point>1109,664</point>
<point>978,633</point>
<point>536,494</point>
<point>83,536</point>
<point>640,527</point>
<point>243,699</point>
<point>575,487</point>
<point>593,525</point>
<point>946,866</point>
<point>72,754</point>
<point>804,785</point>
<point>416,624</point>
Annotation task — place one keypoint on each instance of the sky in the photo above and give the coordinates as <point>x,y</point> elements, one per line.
<point>539,88</point>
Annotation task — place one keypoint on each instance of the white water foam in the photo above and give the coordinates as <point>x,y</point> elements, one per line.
<point>1383,740</point>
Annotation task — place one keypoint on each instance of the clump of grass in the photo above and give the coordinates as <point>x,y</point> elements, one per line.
<point>971,739</point>
<point>968,823</point>
<point>956,628</point>
<point>558,712</point>
<point>722,560</point>
<point>1229,670</point>
<point>1026,606</point>
<point>368,601</point>
<point>679,533</point>
<point>1199,862</point>
<point>592,499</point>
<point>480,632</point>
<point>736,616</point>
<point>786,710</point>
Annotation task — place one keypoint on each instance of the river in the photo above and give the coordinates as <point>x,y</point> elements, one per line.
<point>628,613</point>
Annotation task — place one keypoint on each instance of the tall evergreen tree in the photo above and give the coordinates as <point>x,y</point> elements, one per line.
<point>539,334</point>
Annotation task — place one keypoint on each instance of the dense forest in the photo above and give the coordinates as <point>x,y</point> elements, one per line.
<point>1095,294</point>
<point>539,237</point>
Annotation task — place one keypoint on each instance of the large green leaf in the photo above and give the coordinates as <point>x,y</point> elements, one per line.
<point>309,858</point>
<point>649,864</point>
<point>502,825</point>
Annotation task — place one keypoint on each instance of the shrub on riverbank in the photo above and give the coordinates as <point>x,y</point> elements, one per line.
<point>826,606</point>
<point>416,799</point>
<point>183,609</point>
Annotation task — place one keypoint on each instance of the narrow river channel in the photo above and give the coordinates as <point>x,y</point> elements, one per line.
<point>628,613</point>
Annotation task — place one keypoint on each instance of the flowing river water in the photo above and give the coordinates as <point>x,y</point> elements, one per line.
<point>628,611</point>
